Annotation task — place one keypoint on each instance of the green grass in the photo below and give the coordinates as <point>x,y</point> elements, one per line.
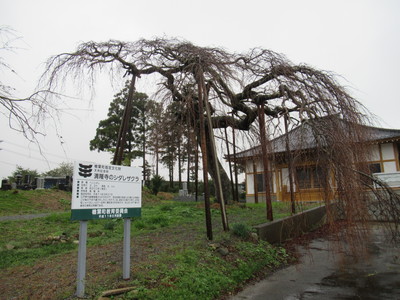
<point>201,273</point>
<point>16,202</point>
<point>28,236</point>
<point>11,203</point>
<point>188,268</point>
<point>34,239</point>
<point>27,256</point>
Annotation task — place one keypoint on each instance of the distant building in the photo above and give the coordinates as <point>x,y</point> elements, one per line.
<point>62,183</point>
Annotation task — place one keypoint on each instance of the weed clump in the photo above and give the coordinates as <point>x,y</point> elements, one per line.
<point>110,225</point>
<point>167,207</point>
<point>241,230</point>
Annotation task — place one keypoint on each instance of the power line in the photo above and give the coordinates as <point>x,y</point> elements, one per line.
<point>30,157</point>
<point>37,151</point>
<point>7,163</point>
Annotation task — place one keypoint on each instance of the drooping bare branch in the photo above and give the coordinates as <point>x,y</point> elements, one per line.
<point>24,114</point>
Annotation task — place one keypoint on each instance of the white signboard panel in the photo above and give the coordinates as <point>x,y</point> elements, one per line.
<point>105,191</point>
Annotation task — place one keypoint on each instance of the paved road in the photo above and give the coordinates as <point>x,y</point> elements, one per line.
<point>319,276</point>
<point>23,217</point>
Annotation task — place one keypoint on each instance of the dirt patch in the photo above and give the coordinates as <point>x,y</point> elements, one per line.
<point>166,196</point>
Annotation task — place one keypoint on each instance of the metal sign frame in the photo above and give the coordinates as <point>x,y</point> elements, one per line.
<point>103,192</point>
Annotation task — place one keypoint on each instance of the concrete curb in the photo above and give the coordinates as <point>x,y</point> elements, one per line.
<point>289,227</point>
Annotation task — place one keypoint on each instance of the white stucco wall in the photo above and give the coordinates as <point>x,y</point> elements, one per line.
<point>285,179</point>
<point>273,183</point>
<point>250,184</point>
<point>250,167</point>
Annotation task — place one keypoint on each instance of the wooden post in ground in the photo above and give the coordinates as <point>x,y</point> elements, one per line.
<point>203,146</point>
<point>290,165</point>
<point>235,170</point>
<point>123,129</point>
<point>118,155</point>
<point>255,183</point>
<point>264,153</point>
<point>230,164</point>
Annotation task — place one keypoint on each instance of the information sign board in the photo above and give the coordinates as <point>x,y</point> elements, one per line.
<point>105,191</point>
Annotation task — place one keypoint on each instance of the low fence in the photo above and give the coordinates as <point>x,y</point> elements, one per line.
<point>386,209</point>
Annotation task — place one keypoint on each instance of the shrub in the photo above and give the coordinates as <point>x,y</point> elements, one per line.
<point>158,220</point>
<point>155,184</point>
<point>139,224</point>
<point>110,225</point>
<point>241,230</point>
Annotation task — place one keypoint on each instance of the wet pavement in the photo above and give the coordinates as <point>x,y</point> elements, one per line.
<point>324,275</point>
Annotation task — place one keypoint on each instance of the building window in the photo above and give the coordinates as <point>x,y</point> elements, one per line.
<point>371,169</point>
<point>374,168</point>
<point>261,183</point>
<point>309,177</point>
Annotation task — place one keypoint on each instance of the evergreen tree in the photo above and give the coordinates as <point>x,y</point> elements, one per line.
<point>107,130</point>
<point>156,131</point>
<point>173,140</point>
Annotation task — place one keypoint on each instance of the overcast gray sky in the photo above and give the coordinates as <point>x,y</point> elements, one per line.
<point>357,39</point>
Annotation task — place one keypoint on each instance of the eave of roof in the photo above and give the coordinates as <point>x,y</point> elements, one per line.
<point>301,138</point>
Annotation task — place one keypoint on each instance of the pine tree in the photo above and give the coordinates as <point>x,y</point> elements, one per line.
<point>107,130</point>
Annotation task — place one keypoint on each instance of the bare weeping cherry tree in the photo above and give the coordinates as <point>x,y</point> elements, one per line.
<point>251,92</point>
<point>24,114</point>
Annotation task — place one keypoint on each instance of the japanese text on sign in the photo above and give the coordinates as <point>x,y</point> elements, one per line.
<point>106,190</point>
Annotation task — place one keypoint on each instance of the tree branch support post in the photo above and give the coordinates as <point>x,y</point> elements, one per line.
<point>236,197</point>
<point>203,146</point>
<point>230,164</point>
<point>214,150</point>
<point>261,119</point>
<point>255,183</point>
<point>119,151</point>
<point>290,165</point>
<point>189,144</point>
<point>144,145</point>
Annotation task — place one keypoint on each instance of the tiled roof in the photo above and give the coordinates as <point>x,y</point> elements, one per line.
<point>302,138</point>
